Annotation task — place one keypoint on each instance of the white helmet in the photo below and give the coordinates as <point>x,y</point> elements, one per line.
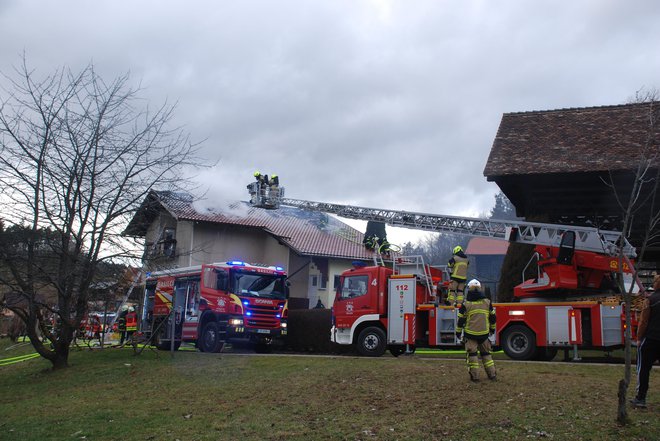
<point>131,309</point>
<point>474,285</point>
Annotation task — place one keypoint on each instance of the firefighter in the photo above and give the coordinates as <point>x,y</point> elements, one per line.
<point>274,186</point>
<point>476,322</point>
<point>253,187</point>
<point>131,323</point>
<point>458,264</point>
<point>121,323</point>
<point>648,342</point>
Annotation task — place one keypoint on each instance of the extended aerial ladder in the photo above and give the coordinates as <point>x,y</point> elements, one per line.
<point>586,238</point>
<point>596,251</point>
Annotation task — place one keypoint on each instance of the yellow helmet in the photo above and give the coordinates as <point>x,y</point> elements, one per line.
<point>257,173</point>
<point>458,249</point>
<point>273,176</point>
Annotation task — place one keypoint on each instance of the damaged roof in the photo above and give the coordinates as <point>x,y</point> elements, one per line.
<point>307,233</point>
<point>604,138</point>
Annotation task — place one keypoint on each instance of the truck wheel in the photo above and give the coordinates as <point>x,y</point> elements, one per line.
<point>371,342</point>
<point>519,343</point>
<point>210,339</point>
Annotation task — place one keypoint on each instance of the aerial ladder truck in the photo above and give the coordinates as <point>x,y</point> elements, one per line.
<point>378,308</point>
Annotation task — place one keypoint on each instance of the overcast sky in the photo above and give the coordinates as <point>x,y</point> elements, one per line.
<point>377,103</point>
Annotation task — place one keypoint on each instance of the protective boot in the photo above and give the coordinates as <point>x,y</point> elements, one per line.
<point>489,366</point>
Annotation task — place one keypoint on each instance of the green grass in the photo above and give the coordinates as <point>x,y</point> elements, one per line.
<point>114,395</point>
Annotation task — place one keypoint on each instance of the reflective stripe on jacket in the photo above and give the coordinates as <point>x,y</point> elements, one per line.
<point>131,321</point>
<point>476,318</point>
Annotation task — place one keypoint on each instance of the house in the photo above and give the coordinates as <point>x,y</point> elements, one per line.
<point>486,257</point>
<point>312,247</point>
<point>575,166</point>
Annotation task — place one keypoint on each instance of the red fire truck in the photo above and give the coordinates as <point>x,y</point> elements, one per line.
<point>211,304</point>
<point>378,308</point>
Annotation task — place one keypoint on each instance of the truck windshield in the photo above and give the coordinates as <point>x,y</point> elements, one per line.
<point>259,285</point>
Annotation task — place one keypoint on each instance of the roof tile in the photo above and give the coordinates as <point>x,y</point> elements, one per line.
<point>572,140</point>
<point>309,233</point>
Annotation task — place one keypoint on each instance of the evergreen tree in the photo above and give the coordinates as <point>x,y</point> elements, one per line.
<point>503,208</point>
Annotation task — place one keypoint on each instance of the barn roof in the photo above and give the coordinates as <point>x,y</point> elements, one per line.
<point>307,233</point>
<point>585,139</point>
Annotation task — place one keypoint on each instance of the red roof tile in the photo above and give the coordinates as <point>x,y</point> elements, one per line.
<point>308,233</point>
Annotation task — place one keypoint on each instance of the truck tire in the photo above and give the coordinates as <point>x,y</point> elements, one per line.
<point>371,342</point>
<point>519,343</point>
<point>210,340</point>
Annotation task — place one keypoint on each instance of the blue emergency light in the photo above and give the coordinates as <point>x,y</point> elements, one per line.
<point>236,262</point>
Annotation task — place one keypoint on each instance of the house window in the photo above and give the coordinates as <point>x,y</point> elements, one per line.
<point>169,242</point>
<point>315,281</point>
<point>324,283</point>
<point>335,282</point>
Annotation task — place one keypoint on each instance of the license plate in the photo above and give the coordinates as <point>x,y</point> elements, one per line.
<point>263,331</point>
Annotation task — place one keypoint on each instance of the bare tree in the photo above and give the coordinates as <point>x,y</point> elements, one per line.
<point>77,156</point>
<point>640,206</point>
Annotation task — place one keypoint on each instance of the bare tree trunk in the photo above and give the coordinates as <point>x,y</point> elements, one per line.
<point>78,157</point>
<point>622,410</point>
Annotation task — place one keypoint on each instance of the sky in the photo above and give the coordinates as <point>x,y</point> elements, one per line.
<point>376,103</point>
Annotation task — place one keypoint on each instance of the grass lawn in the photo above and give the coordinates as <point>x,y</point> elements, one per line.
<point>114,395</point>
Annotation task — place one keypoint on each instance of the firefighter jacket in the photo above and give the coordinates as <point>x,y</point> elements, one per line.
<point>121,321</point>
<point>649,321</point>
<point>131,321</point>
<point>458,265</point>
<point>476,317</point>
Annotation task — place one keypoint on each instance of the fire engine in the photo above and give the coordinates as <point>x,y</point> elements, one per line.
<point>378,308</point>
<point>214,303</point>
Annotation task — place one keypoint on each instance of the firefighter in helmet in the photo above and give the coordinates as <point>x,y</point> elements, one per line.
<point>131,323</point>
<point>253,187</point>
<point>274,186</point>
<point>458,265</point>
<point>121,323</point>
<point>476,322</point>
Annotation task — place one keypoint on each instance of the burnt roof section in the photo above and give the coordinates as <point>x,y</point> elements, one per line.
<point>571,140</point>
<point>307,233</point>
